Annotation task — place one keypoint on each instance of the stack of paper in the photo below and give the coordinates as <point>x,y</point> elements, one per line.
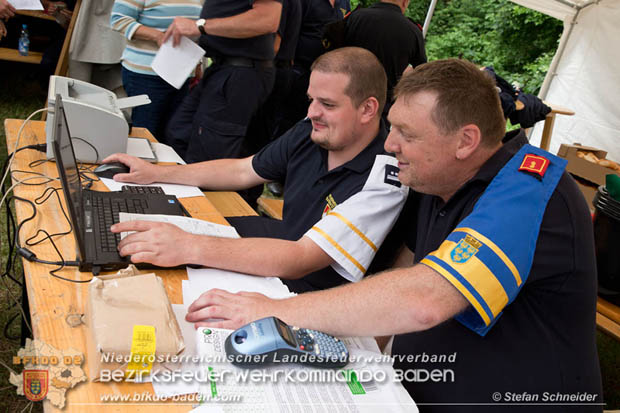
<point>366,385</point>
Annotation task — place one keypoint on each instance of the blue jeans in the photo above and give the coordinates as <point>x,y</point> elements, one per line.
<point>164,99</point>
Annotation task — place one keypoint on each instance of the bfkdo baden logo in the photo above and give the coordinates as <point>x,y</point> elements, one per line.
<point>35,384</point>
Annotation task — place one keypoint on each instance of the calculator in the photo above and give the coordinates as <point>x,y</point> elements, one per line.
<point>270,340</point>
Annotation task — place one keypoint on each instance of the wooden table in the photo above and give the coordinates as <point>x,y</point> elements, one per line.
<point>52,300</point>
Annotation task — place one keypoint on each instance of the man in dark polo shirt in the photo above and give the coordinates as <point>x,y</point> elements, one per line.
<point>497,312</point>
<point>395,39</point>
<point>212,121</point>
<point>331,163</point>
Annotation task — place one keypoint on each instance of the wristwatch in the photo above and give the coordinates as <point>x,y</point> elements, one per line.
<point>200,23</point>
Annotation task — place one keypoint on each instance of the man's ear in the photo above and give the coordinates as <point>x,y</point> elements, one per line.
<point>470,139</point>
<point>404,4</point>
<point>368,109</point>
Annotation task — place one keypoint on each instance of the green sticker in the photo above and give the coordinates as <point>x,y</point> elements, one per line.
<point>206,332</point>
<point>354,385</point>
<point>212,383</point>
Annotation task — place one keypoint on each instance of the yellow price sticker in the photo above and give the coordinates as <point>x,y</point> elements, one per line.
<point>142,351</point>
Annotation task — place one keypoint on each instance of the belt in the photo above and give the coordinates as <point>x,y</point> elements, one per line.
<point>242,62</point>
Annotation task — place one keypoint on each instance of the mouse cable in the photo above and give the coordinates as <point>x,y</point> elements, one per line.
<point>10,221</point>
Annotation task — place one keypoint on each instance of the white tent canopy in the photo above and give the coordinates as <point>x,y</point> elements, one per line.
<point>585,73</point>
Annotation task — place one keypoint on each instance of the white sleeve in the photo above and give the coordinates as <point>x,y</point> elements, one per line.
<point>352,232</point>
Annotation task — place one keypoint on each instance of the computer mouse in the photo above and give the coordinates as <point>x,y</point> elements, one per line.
<point>108,170</point>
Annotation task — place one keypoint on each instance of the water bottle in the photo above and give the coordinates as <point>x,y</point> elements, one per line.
<point>24,41</point>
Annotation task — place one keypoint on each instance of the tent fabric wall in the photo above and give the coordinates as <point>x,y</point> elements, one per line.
<point>559,10</point>
<point>587,77</point>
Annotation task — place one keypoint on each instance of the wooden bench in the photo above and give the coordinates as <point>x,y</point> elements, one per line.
<point>33,57</point>
<point>271,206</point>
<point>230,204</point>
<point>608,318</point>
<point>13,55</point>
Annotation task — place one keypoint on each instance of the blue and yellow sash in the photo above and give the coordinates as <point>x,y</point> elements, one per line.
<point>489,255</point>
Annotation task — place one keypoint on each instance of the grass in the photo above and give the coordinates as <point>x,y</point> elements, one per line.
<point>20,95</point>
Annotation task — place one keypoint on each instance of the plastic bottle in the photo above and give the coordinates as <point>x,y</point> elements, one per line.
<point>24,41</point>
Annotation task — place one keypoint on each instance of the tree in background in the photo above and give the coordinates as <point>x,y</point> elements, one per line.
<point>518,42</point>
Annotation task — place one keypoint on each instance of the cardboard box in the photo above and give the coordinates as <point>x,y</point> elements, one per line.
<point>589,176</point>
<point>582,168</point>
<point>116,304</point>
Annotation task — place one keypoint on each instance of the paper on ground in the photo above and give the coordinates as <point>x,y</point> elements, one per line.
<point>180,191</point>
<point>203,279</point>
<point>173,388</point>
<point>174,64</point>
<point>191,225</point>
<point>26,4</point>
<point>316,393</point>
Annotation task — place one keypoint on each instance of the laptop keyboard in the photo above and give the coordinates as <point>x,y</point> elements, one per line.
<point>108,209</point>
<point>135,189</point>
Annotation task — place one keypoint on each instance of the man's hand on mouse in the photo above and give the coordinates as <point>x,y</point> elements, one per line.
<point>159,243</point>
<point>140,171</point>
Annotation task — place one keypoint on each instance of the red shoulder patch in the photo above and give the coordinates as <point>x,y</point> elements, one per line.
<point>534,164</point>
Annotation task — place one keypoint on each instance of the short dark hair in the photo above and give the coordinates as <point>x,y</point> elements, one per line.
<point>367,77</point>
<point>465,95</point>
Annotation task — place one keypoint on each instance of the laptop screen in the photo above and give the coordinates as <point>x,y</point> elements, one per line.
<point>69,173</point>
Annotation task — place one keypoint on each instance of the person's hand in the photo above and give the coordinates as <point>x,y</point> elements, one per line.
<point>54,7</point>
<point>6,11</point>
<point>180,26</point>
<point>159,243</point>
<point>229,310</point>
<point>140,171</point>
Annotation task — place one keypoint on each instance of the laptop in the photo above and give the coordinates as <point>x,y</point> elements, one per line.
<point>93,212</point>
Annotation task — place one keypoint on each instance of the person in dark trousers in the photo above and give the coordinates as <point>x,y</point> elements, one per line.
<point>315,15</point>
<point>212,121</point>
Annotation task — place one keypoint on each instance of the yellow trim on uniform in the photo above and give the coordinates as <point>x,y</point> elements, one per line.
<point>496,250</point>
<point>354,229</point>
<point>340,249</point>
<point>457,284</point>
<point>478,275</point>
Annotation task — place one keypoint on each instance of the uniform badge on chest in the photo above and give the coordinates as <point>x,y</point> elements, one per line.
<point>331,204</point>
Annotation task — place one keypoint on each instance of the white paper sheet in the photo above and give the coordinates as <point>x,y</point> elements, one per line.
<point>26,4</point>
<point>191,225</point>
<point>174,64</point>
<point>181,191</point>
<point>203,279</point>
<point>140,147</point>
<point>187,293</point>
<point>165,153</point>
<point>177,387</point>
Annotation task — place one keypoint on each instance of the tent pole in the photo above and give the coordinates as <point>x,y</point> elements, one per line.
<point>558,56</point>
<point>429,16</point>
